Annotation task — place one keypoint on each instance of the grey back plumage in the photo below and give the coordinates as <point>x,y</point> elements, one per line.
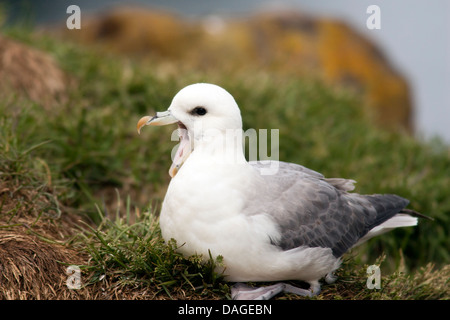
<point>312,211</point>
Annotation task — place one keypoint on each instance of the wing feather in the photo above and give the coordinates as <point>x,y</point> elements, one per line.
<point>312,211</point>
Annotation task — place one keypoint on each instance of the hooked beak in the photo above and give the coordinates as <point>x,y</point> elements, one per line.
<point>184,148</point>
<point>161,119</point>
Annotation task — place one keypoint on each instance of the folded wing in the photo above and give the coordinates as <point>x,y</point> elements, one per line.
<point>312,211</point>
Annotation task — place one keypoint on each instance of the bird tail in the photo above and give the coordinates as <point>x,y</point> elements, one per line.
<point>397,221</point>
<point>415,214</point>
<point>405,218</point>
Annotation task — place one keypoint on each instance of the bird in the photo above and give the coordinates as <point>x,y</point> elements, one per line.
<point>291,223</point>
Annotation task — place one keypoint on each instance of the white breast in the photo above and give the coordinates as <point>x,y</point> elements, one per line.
<point>212,221</point>
<point>204,221</point>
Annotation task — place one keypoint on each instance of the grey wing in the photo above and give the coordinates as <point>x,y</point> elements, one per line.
<point>310,211</point>
<point>285,167</point>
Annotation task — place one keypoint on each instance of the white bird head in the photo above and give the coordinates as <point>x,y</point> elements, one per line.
<point>201,111</point>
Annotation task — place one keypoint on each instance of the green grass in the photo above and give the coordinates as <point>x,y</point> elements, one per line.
<point>89,146</point>
<point>135,253</point>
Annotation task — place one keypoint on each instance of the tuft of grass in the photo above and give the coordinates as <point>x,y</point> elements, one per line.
<point>425,283</point>
<point>25,180</point>
<point>130,250</point>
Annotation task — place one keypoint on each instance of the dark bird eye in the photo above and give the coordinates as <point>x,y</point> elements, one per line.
<point>199,111</point>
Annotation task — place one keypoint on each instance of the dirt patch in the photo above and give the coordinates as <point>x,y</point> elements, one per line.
<point>32,269</point>
<point>33,253</point>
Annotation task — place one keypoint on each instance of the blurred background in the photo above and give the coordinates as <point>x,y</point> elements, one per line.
<point>414,39</point>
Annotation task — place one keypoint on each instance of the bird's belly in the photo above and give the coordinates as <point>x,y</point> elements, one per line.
<point>214,229</point>
<point>245,244</point>
<point>215,224</point>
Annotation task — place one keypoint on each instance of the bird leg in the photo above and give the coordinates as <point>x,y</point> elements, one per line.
<point>241,291</point>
